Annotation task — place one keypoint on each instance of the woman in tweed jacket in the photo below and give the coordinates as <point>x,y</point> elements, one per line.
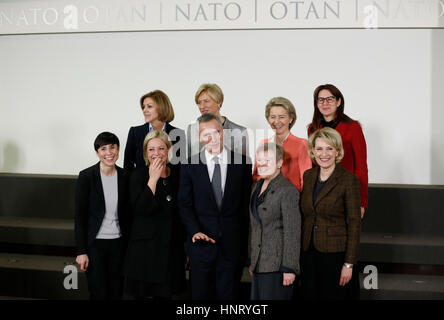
<point>275,228</point>
<point>330,203</point>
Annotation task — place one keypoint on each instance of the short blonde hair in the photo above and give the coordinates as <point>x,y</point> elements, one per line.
<point>156,134</point>
<point>164,106</point>
<point>213,90</point>
<point>286,104</point>
<point>331,137</point>
<point>273,147</point>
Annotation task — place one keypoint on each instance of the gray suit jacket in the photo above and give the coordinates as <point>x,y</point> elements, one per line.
<point>275,233</point>
<point>235,138</point>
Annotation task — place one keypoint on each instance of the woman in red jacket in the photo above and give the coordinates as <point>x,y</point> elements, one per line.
<point>329,112</point>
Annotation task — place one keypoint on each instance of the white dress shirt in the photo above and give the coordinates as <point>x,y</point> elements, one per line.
<point>223,160</point>
<point>150,127</point>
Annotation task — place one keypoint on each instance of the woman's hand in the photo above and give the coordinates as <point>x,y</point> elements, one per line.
<point>362,212</point>
<point>250,271</point>
<point>202,236</point>
<point>346,275</point>
<point>83,261</point>
<point>288,279</point>
<point>155,170</point>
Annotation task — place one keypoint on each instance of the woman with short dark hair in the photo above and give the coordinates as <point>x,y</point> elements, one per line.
<point>102,220</point>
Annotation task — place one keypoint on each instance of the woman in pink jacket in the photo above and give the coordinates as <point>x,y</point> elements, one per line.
<point>281,115</point>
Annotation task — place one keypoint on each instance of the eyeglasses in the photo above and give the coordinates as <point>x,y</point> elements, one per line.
<point>330,99</point>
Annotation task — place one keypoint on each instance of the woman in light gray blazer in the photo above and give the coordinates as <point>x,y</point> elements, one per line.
<point>275,228</point>
<point>209,98</point>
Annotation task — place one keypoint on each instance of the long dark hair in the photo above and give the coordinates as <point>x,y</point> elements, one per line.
<point>317,115</point>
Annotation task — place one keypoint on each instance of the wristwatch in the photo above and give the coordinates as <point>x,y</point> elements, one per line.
<point>348,265</point>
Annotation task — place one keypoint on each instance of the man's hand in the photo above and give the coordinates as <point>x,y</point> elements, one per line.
<point>202,236</point>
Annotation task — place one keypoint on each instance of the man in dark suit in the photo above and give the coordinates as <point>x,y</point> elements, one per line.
<point>213,201</point>
<point>102,221</point>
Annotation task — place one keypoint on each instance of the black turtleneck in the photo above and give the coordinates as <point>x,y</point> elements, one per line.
<point>318,187</point>
<point>331,124</point>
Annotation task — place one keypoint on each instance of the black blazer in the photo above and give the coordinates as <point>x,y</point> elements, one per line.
<point>199,211</point>
<point>134,145</point>
<point>156,248</point>
<point>90,206</point>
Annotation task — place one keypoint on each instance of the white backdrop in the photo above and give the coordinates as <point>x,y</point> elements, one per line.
<point>58,91</point>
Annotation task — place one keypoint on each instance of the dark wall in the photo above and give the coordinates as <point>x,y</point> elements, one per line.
<point>405,209</point>
<point>41,196</point>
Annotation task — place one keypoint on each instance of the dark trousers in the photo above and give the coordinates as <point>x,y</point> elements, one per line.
<point>268,286</point>
<point>104,273</point>
<point>320,275</point>
<point>353,289</point>
<point>217,279</point>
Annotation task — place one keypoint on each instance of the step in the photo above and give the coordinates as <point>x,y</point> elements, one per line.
<point>38,277</point>
<point>401,248</point>
<point>37,231</point>
<point>37,195</point>
<point>41,277</point>
<point>402,239</point>
<point>408,209</point>
<point>16,298</point>
<point>404,287</point>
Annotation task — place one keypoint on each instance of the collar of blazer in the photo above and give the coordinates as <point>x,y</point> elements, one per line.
<point>274,184</point>
<point>332,181</point>
<point>272,187</point>
<point>98,185</point>
<point>168,127</point>
<point>228,124</point>
<point>229,127</point>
